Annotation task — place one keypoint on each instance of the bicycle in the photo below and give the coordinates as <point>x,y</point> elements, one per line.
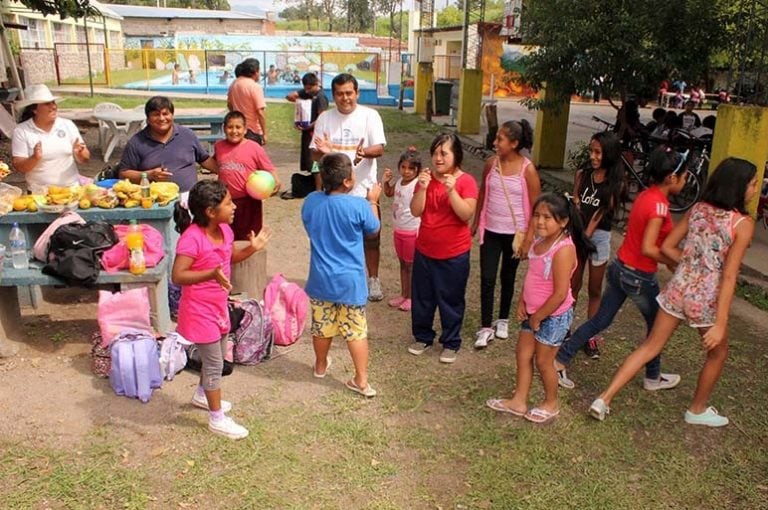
<point>637,179</point>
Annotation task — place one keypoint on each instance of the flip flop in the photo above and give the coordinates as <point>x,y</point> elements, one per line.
<point>541,416</point>
<point>367,392</point>
<point>497,405</point>
<point>320,376</point>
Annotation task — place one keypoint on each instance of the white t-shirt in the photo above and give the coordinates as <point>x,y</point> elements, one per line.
<point>57,167</point>
<point>401,206</point>
<point>345,132</point>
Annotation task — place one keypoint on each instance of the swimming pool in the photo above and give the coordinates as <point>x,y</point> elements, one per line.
<point>214,82</point>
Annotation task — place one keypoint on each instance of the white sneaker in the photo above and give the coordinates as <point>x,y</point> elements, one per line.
<point>228,428</point>
<point>502,328</point>
<point>664,382</point>
<point>202,403</point>
<point>598,410</point>
<point>484,335</point>
<point>374,290</point>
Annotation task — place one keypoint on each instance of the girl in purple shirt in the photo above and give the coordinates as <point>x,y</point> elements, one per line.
<point>204,255</point>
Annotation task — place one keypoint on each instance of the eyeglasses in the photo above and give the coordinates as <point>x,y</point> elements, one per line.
<point>683,159</point>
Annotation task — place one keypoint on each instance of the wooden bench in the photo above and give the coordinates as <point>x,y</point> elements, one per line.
<point>11,279</point>
<point>156,278</point>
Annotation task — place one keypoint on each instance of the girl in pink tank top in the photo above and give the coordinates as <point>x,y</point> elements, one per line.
<point>510,184</point>
<point>545,308</point>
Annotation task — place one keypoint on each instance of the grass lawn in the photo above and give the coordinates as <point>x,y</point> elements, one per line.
<point>427,441</point>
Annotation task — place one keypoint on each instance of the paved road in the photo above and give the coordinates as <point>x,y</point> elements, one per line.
<point>581,127</point>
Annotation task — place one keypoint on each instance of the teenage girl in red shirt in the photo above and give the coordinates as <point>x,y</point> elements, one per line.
<point>445,200</point>
<point>632,274</point>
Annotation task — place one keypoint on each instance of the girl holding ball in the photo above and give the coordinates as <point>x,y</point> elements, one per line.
<point>238,157</point>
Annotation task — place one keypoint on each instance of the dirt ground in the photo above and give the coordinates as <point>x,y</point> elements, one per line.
<point>56,351</point>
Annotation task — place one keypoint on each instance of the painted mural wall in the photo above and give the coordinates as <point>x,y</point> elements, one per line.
<point>501,61</point>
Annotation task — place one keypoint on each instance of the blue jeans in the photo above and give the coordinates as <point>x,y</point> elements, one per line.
<point>621,283</point>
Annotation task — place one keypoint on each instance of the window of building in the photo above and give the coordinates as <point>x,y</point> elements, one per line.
<point>34,35</point>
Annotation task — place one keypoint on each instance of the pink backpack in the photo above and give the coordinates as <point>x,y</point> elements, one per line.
<point>287,304</point>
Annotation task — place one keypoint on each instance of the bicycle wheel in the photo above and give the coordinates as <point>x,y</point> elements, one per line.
<point>688,196</point>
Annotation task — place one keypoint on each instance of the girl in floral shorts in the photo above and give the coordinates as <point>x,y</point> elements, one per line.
<point>708,245</point>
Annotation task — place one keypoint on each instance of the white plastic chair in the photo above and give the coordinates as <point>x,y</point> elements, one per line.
<point>104,128</point>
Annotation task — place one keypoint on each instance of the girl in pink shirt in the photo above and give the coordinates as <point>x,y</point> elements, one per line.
<point>204,254</point>
<point>545,307</point>
<point>510,184</point>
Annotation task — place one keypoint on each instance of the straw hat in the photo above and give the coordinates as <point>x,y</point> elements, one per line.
<point>36,94</point>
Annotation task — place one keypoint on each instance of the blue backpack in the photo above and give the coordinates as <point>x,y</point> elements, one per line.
<point>135,370</point>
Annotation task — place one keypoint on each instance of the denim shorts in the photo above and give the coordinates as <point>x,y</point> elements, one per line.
<point>602,241</point>
<point>552,330</point>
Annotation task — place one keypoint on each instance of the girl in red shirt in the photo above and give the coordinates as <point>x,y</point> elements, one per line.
<point>445,200</point>
<point>632,274</point>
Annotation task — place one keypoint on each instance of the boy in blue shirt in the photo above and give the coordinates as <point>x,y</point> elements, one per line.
<point>336,224</point>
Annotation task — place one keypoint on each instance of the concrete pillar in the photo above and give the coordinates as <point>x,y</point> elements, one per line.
<point>550,135</point>
<point>741,132</point>
<point>421,85</point>
<point>470,101</point>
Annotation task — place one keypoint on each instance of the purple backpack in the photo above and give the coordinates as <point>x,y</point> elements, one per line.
<point>254,337</point>
<point>135,370</point>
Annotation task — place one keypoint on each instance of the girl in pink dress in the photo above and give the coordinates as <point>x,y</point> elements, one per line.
<point>204,255</point>
<point>546,304</point>
<point>708,245</point>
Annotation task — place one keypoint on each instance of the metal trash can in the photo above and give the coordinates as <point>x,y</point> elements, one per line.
<point>443,97</point>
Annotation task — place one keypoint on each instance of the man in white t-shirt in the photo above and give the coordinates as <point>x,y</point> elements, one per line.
<point>358,132</point>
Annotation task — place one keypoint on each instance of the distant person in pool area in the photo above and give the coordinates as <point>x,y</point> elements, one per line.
<point>296,77</point>
<point>272,75</point>
<point>175,74</point>
<point>192,76</point>
<point>246,95</point>
<point>224,78</point>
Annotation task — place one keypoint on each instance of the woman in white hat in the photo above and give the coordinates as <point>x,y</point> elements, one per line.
<point>45,147</point>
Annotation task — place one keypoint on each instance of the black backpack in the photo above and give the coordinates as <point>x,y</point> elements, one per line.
<point>74,252</point>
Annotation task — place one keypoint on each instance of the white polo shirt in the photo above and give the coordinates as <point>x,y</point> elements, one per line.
<point>57,167</point>
<point>345,132</point>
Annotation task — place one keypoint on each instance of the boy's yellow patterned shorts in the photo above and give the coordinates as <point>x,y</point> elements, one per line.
<point>331,319</point>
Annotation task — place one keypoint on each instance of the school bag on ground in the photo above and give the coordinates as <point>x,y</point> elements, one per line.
<point>253,335</point>
<point>173,355</point>
<point>195,363</point>
<point>286,304</point>
<point>135,368</point>
<point>101,358</point>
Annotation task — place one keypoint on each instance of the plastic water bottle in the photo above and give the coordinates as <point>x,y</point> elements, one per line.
<point>144,185</point>
<point>146,192</point>
<point>18,244</point>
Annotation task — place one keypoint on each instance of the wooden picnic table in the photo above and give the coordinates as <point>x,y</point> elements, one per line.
<point>33,224</point>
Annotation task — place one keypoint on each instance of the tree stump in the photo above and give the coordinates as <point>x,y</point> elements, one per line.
<point>250,275</point>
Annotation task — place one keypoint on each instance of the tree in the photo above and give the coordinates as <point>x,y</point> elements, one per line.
<point>62,8</point>
<point>360,17</point>
<point>628,46</point>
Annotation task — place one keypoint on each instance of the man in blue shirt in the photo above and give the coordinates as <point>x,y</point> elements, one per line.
<point>164,150</point>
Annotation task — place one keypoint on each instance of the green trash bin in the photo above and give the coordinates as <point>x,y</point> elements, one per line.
<point>443,97</point>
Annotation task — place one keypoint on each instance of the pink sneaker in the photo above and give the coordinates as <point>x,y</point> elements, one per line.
<point>395,302</point>
<point>405,305</point>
